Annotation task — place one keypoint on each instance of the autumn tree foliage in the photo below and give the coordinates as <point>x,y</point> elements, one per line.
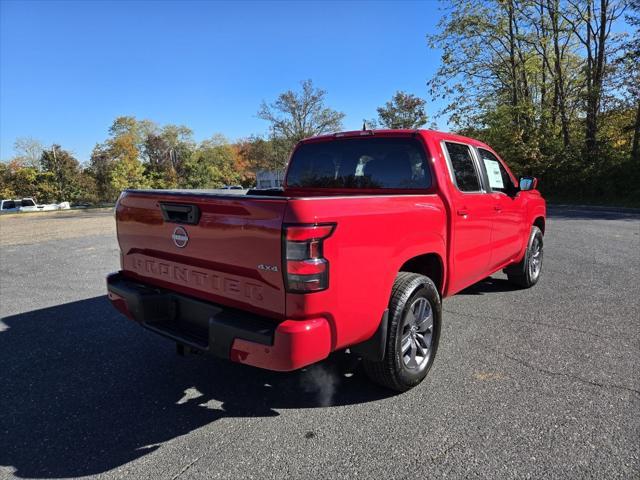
<point>404,110</point>
<point>550,84</point>
<point>64,172</point>
<point>211,165</point>
<point>56,177</point>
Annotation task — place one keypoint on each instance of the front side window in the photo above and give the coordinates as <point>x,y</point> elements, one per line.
<point>464,171</point>
<point>499,179</point>
<point>360,163</point>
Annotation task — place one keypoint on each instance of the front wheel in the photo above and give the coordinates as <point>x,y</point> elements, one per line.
<point>527,273</point>
<point>415,313</point>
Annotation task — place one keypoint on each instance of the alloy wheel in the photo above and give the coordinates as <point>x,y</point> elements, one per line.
<point>417,334</point>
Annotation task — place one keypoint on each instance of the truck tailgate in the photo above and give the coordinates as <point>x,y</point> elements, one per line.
<point>225,249</point>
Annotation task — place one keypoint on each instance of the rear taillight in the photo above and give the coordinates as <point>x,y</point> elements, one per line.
<point>306,268</point>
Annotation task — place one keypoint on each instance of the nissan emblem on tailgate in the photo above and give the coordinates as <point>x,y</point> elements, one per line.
<point>180,237</point>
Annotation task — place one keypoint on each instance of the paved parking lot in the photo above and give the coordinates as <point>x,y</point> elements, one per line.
<point>537,383</point>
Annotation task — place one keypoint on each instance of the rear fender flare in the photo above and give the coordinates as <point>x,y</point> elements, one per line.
<point>374,348</point>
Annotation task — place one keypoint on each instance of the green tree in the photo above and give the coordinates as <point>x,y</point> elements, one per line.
<point>116,164</point>
<point>45,188</point>
<point>590,22</point>
<point>99,168</point>
<point>24,183</point>
<point>404,110</point>
<point>135,130</point>
<point>87,188</point>
<point>127,173</point>
<point>19,181</point>
<point>123,149</point>
<point>630,68</point>
<point>166,152</point>
<point>6,186</point>
<point>535,79</point>
<point>212,165</point>
<point>65,171</point>
<point>297,115</point>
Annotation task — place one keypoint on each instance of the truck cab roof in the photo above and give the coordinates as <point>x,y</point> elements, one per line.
<point>434,134</point>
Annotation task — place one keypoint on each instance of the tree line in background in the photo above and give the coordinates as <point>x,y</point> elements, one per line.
<point>142,154</point>
<point>551,87</point>
<point>546,83</point>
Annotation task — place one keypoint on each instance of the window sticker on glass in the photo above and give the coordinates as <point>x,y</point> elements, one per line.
<point>493,171</point>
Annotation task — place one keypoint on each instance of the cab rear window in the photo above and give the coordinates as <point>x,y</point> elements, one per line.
<point>360,163</point>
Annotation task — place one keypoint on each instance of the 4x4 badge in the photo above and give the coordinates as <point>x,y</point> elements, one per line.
<point>268,268</point>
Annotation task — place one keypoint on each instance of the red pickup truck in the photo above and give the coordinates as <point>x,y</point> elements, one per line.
<point>369,232</point>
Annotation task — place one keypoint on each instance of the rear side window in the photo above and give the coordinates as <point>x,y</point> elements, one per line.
<point>360,163</point>
<point>8,205</point>
<point>464,170</point>
<point>499,179</point>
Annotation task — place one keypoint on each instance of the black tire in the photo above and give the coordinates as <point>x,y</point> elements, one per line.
<point>527,273</point>
<point>394,371</point>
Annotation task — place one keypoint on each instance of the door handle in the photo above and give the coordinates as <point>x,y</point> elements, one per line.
<point>497,208</point>
<point>463,212</point>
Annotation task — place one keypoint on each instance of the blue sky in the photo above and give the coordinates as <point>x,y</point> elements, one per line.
<point>69,68</point>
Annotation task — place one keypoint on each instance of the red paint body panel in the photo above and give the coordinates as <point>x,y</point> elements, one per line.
<point>234,256</point>
<point>233,236</point>
<point>365,252</point>
<point>296,344</point>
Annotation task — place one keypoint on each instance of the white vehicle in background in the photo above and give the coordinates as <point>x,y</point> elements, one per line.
<point>9,206</point>
<point>29,205</point>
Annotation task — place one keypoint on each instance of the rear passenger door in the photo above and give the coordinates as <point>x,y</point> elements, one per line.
<point>472,218</point>
<point>508,223</point>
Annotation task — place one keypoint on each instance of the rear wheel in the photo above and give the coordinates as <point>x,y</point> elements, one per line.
<point>527,273</point>
<point>415,313</point>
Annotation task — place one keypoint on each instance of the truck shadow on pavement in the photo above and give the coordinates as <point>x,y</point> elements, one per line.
<point>84,391</point>
<point>490,285</point>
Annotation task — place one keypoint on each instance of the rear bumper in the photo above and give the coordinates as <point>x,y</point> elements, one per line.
<point>226,333</point>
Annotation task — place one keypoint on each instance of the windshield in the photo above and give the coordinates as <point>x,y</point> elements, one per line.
<point>360,163</point>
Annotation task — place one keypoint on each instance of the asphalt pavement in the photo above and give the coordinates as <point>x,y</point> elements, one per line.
<point>539,383</point>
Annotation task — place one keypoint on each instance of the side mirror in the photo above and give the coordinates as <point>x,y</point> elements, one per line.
<point>528,183</point>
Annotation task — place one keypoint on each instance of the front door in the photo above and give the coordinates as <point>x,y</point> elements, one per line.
<point>508,224</point>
